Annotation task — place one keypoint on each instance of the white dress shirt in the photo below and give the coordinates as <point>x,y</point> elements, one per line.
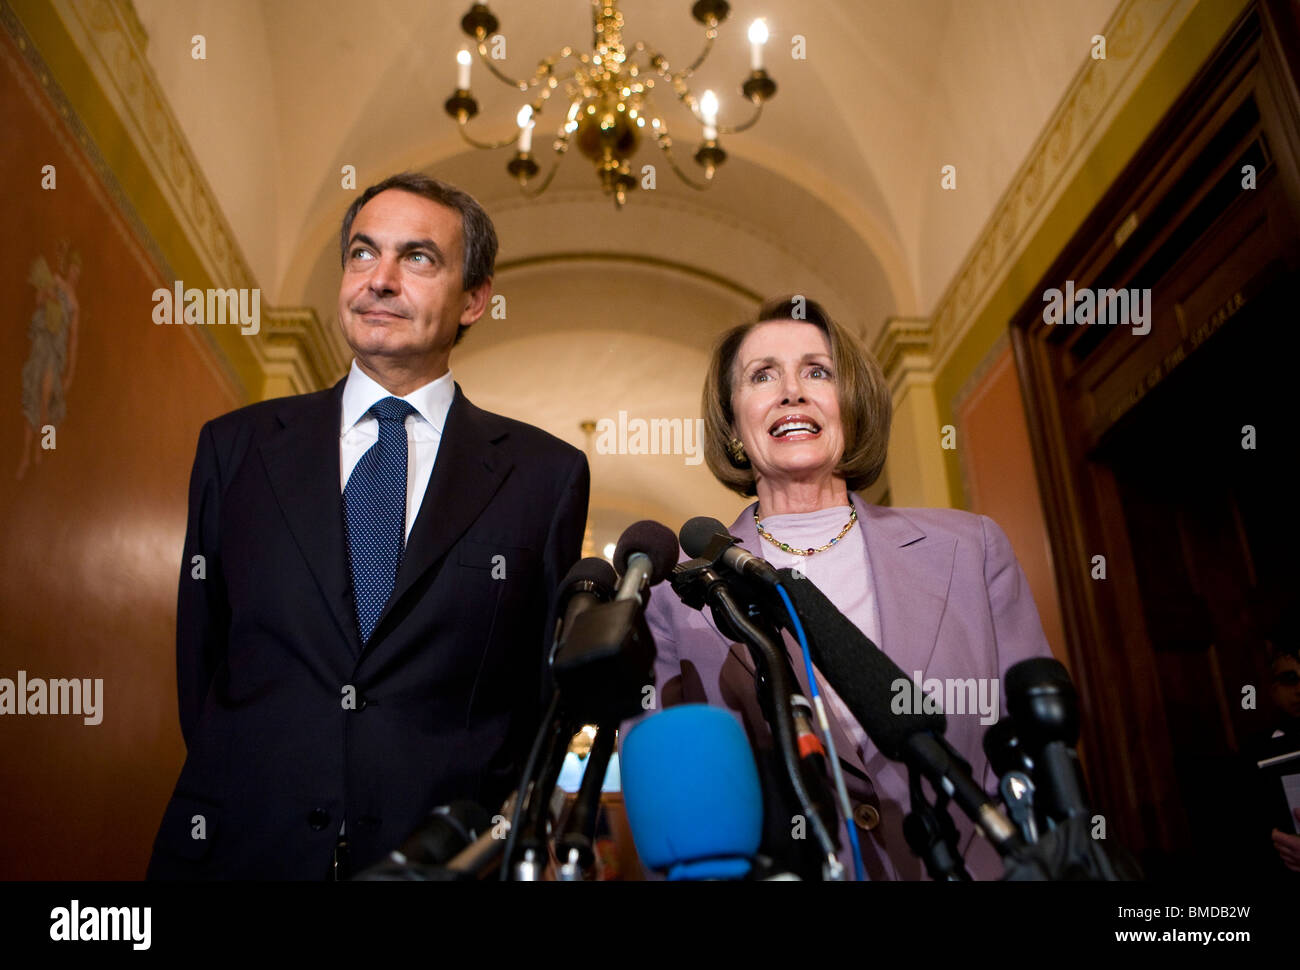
<point>359,430</point>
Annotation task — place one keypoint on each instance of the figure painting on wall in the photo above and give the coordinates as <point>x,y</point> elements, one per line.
<point>52,357</point>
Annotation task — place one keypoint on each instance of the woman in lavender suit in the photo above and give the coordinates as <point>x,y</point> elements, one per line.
<point>798,414</point>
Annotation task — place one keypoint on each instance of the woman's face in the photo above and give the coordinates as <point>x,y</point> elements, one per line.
<point>783,397</point>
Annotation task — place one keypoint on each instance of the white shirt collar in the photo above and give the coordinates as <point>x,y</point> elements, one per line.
<point>361,392</point>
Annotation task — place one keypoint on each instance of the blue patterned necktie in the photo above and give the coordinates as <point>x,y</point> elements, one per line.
<point>374,504</point>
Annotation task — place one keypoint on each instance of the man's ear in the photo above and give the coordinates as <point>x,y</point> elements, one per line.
<point>476,302</point>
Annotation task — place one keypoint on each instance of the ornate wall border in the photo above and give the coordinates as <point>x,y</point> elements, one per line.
<point>293,351</point>
<point>1137,32</point>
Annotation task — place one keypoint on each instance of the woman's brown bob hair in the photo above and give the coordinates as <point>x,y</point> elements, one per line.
<point>866,407</point>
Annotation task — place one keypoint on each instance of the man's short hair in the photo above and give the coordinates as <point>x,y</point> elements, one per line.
<point>866,407</point>
<point>479,236</point>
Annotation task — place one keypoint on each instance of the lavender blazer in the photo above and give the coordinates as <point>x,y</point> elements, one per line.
<point>953,603</point>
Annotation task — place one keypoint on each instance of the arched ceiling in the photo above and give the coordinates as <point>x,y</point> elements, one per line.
<point>835,193</point>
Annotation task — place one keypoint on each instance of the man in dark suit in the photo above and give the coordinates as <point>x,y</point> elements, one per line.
<point>363,611</point>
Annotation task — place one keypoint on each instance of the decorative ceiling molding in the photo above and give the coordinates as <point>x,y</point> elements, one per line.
<point>110,38</point>
<point>298,353</point>
<point>1136,34</point>
<point>676,267</point>
<point>904,351</point>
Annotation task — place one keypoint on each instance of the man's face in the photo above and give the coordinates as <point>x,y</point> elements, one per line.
<point>400,299</point>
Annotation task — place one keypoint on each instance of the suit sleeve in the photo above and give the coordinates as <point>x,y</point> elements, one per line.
<point>1017,630</point>
<point>202,612</point>
<point>1017,635</point>
<point>563,547</point>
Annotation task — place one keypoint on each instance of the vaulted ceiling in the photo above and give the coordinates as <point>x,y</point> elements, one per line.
<point>835,193</point>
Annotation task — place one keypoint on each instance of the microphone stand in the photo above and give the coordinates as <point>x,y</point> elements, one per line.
<point>527,837</point>
<point>574,847</point>
<point>931,834</point>
<point>696,583</point>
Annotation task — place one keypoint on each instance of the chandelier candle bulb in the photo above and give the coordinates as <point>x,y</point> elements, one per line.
<point>462,69</point>
<point>709,112</point>
<point>757,38</point>
<point>525,120</point>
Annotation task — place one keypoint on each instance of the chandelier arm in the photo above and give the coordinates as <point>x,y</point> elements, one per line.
<point>546,69</point>
<point>655,62</point>
<point>698,186</point>
<point>546,182</point>
<point>753,120</point>
<point>543,70</point>
<point>474,142</point>
<point>709,36</point>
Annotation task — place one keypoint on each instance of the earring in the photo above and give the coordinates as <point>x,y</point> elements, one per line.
<point>737,452</point>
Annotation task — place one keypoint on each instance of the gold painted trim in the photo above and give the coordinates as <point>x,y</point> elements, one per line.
<point>1136,33</point>
<point>104,32</point>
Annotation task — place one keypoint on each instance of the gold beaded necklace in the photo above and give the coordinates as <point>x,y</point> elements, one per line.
<point>853,517</point>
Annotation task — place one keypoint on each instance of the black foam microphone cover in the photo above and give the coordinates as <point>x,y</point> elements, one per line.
<point>594,571</point>
<point>1042,700</point>
<point>697,533</point>
<point>655,540</point>
<point>859,671</point>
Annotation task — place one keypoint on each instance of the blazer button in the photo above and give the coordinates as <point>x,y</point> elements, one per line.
<point>865,816</point>
<point>318,818</point>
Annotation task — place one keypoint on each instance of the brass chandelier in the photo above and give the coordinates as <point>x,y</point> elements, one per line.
<point>607,98</point>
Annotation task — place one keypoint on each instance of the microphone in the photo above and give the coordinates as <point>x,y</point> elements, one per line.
<point>706,538</point>
<point>1015,770</point>
<point>448,830</point>
<point>589,583</point>
<point>480,858</point>
<point>1045,708</point>
<point>865,679</point>
<point>608,654</point>
<point>605,661</point>
<point>646,553</point>
<point>692,794</point>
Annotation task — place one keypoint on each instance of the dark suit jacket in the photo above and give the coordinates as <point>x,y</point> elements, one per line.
<point>448,690</point>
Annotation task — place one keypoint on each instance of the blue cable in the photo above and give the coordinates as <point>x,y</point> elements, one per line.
<point>830,742</point>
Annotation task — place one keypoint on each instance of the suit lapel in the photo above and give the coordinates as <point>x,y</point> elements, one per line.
<point>912,573</point>
<point>466,475</point>
<point>302,464</point>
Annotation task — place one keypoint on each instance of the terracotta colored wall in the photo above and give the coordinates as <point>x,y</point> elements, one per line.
<point>90,536</point>
<point>999,470</point>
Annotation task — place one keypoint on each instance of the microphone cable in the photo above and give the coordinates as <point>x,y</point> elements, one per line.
<point>836,773</point>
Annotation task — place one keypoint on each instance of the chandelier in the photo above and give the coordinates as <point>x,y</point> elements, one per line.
<point>607,99</point>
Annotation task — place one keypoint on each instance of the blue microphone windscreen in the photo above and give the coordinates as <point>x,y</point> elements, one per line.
<point>691,790</point>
